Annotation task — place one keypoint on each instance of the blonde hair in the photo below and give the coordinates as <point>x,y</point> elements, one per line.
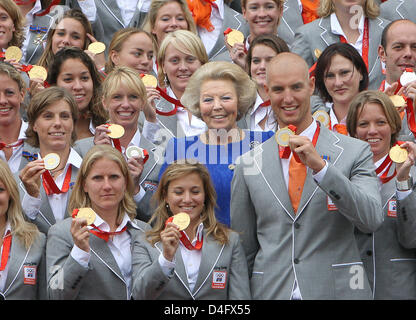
<point>25,231</point>
<point>47,56</point>
<point>18,21</point>
<point>118,40</point>
<point>80,199</point>
<point>278,2</point>
<point>150,21</point>
<point>374,96</point>
<point>245,88</point>
<point>12,73</point>
<point>184,41</point>
<point>176,171</point>
<point>126,76</point>
<point>371,8</point>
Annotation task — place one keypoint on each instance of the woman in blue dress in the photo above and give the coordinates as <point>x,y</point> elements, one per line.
<point>219,93</point>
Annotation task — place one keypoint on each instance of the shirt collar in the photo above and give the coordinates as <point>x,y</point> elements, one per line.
<point>100,223</point>
<point>8,228</point>
<point>220,4</point>
<point>198,234</point>
<point>336,27</point>
<point>22,133</point>
<point>258,102</point>
<point>136,139</point>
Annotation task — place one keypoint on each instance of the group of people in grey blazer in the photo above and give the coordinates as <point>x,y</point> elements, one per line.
<point>351,235</point>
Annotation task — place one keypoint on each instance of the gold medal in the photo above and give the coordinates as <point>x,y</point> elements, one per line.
<point>88,214</point>
<point>322,117</point>
<point>117,131</point>
<point>398,154</point>
<point>282,136</point>
<point>398,101</point>
<point>38,72</point>
<point>134,151</point>
<point>149,81</point>
<point>96,47</point>
<point>13,53</point>
<point>182,220</point>
<point>317,53</point>
<point>51,161</point>
<point>234,37</point>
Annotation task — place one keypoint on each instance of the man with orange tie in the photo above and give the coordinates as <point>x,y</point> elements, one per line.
<point>398,52</point>
<point>296,207</point>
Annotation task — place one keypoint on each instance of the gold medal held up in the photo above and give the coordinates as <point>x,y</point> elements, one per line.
<point>117,131</point>
<point>398,154</point>
<point>38,72</point>
<point>88,214</point>
<point>13,53</point>
<point>235,36</point>
<point>398,101</point>
<point>282,136</point>
<point>96,47</point>
<point>51,161</point>
<point>149,81</point>
<point>182,220</point>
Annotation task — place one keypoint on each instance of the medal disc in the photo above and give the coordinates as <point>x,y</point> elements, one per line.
<point>407,77</point>
<point>149,81</point>
<point>398,101</point>
<point>282,136</point>
<point>182,220</point>
<point>96,47</point>
<point>322,117</point>
<point>88,214</point>
<point>38,72</point>
<point>235,36</point>
<point>398,154</point>
<point>134,151</point>
<point>13,53</point>
<point>51,161</point>
<point>117,131</point>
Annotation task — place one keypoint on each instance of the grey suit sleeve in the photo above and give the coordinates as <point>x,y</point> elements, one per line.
<point>406,221</point>
<point>148,279</point>
<point>65,275</point>
<point>42,293</point>
<point>243,216</point>
<point>358,197</point>
<point>302,46</point>
<point>239,285</point>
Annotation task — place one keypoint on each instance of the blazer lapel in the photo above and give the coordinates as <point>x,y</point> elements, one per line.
<point>326,148</point>
<point>374,27</point>
<point>326,35</point>
<point>153,158</point>
<point>211,252</point>
<point>274,174</point>
<point>401,8</point>
<point>114,10</point>
<point>45,210</point>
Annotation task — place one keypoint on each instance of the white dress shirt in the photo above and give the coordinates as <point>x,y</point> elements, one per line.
<point>14,160</point>
<point>119,244</point>
<point>57,202</point>
<point>191,260</point>
<point>29,21</point>
<point>258,113</point>
<point>336,29</point>
<point>3,274</point>
<point>333,117</point>
<point>209,39</point>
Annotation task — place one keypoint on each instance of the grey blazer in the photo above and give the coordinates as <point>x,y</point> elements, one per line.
<point>150,175</point>
<point>316,247</point>
<point>68,280</point>
<point>45,218</point>
<point>317,35</point>
<point>398,9</point>
<point>21,259</point>
<point>290,21</point>
<point>391,268</point>
<point>151,283</point>
<point>109,20</point>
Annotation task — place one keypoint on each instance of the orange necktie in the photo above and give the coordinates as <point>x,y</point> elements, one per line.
<point>297,176</point>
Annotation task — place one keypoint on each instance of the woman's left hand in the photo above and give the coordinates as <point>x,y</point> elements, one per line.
<point>135,165</point>
<point>403,169</point>
<point>99,59</point>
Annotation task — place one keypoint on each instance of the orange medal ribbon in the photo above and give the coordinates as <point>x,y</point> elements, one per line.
<point>50,186</point>
<point>185,241</point>
<point>7,242</point>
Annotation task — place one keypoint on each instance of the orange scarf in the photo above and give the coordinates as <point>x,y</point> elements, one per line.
<point>309,9</point>
<point>201,12</point>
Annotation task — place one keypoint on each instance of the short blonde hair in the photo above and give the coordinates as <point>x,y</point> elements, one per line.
<point>18,21</point>
<point>118,40</point>
<point>176,171</point>
<point>126,76</point>
<point>149,22</point>
<point>371,8</point>
<point>380,98</point>
<point>220,70</point>
<point>80,199</point>
<point>184,41</point>
<point>26,232</point>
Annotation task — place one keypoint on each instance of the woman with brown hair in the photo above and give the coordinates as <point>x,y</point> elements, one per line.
<point>201,260</point>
